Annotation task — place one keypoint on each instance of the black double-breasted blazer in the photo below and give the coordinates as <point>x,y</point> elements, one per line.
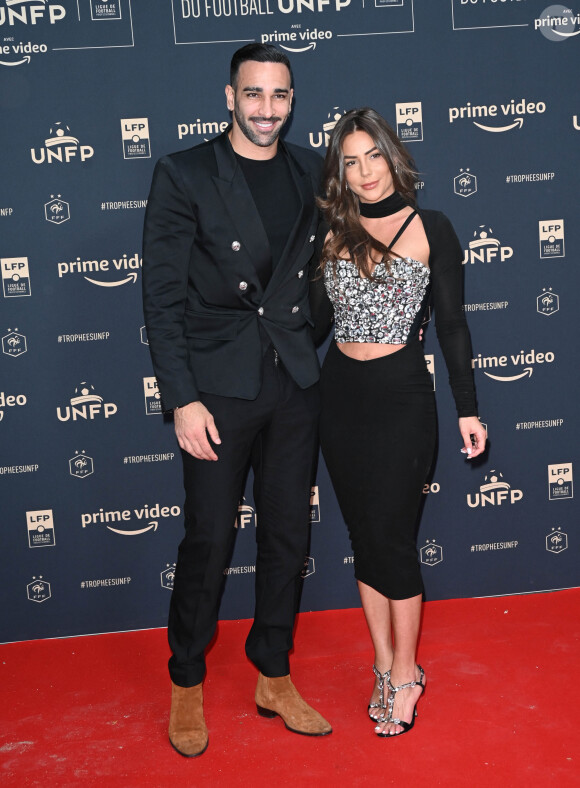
<point>203,301</point>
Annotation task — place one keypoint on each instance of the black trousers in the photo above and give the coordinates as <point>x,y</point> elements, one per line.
<point>378,432</point>
<point>277,434</point>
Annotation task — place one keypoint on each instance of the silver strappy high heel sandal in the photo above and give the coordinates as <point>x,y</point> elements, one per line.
<point>382,677</point>
<point>407,726</point>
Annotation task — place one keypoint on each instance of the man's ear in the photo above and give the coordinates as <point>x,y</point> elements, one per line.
<point>230,95</point>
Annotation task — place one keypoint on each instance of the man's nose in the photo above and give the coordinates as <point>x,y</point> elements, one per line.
<point>266,107</point>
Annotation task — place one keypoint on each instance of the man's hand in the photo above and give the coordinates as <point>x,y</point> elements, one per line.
<point>193,423</point>
<point>473,434</point>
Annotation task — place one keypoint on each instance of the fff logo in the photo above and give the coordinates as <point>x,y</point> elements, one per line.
<point>431,553</point>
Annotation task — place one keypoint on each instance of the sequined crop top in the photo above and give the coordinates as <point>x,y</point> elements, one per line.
<point>387,309</point>
<point>392,310</point>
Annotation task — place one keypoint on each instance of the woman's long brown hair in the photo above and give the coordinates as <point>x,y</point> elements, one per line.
<point>348,238</point>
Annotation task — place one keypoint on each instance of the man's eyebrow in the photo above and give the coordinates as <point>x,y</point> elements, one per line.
<point>261,90</point>
<point>366,153</point>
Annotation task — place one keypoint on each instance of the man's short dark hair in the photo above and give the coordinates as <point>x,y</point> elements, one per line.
<point>261,53</point>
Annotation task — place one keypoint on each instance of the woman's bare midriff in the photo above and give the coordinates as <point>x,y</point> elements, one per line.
<point>366,351</point>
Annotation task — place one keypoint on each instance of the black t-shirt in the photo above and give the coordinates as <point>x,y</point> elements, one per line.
<point>276,198</point>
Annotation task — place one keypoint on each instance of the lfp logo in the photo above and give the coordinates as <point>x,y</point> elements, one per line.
<point>560,481</point>
<point>409,121</point>
<point>105,9</point>
<point>314,505</point>
<point>40,528</point>
<point>15,277</point>
<point>152,396</point>
<point>551,238</point>
<point>136,142</point>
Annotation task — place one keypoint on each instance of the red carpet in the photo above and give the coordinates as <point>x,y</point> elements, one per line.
<point>501,706</point>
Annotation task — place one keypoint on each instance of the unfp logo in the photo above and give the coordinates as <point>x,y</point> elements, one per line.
<point>135,135</point>
<point>56,211</point>
<point>30,12</point>
<point>85,404</point>
<point>494,491</point>
<point>551,238</point>
<point>152,396</point>
<point>323,137</point>
<point>484,248</point>
<point>14,344</point>
<point>465,184</point>
<point>560,481</point>
<point>61,146</point>
<point>430,361</point>
<point>15,277</point>
<point>409,121</point>
<point>246,517</point>
<point>40,528</point>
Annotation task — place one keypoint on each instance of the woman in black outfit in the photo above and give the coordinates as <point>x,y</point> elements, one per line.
<point>383,261</point>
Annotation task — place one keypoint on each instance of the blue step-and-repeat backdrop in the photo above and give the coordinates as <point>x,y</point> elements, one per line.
<point>92,92</point>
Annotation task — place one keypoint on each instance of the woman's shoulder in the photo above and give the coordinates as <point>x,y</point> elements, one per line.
<point>438,227</point>
<point>433,219</point>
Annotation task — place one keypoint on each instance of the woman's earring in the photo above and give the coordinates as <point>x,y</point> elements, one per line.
<point>346,186</point>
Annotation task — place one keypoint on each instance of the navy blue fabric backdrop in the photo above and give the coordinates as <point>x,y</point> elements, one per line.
<point>92,92</point>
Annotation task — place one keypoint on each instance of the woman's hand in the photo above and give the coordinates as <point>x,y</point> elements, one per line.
<point>473,434</point>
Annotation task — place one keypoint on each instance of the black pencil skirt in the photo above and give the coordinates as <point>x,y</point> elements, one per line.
<point>378,433</point>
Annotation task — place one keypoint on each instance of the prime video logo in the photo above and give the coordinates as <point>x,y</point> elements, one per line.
<point>514,107</point>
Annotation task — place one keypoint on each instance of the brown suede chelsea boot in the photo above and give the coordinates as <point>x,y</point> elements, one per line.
<point>278,696</point>
<point>187,728</point>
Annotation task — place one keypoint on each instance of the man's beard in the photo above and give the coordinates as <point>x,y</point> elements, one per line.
<point>253,136</point>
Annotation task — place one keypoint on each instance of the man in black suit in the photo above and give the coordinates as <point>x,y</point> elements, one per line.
<point>229,234</point>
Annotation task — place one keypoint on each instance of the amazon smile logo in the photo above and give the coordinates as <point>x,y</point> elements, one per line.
<point>125,269</point>
<point>522,365</point>
<point>497,117</point>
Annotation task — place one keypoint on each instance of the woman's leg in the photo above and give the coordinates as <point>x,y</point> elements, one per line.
<point>378,617</point>
<point>405,616</point>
